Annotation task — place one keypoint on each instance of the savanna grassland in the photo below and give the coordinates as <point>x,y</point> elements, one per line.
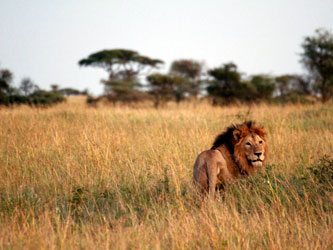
<point>121,178</point>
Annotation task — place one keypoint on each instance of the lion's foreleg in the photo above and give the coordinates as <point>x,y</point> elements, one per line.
<point>212,176</point>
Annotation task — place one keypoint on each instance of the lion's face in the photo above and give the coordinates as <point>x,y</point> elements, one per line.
<point>250,148</point>
<point>254,149</point>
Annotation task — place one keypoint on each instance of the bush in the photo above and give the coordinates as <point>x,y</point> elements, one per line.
<point>45,98</point>
<point>124,91</point>
<point>295,97</point>
<point>38,98</point>
<point>323,173</point>
<point>313,184</point>
<point>92,101</point>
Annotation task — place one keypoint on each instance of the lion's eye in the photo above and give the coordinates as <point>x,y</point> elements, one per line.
<point>260,142</point>
<point>248,144</point>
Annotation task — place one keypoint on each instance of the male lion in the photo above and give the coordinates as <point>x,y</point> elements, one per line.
<point>240,150</point>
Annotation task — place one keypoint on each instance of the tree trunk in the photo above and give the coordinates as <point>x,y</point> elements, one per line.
<point>324,95</point>
<point>157,102</point>
<point>324,92</point>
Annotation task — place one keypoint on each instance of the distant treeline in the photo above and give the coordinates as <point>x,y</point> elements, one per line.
<point>130,80</point>
<point>187,79</point>
<point>30,93</point>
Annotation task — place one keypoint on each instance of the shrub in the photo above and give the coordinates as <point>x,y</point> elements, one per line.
<point>45,98</point>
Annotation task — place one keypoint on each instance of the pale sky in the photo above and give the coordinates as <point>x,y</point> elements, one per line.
<point>44,40</point>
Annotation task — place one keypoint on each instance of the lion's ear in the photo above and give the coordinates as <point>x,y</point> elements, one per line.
<point>262,132</point>
<point>237,135</point>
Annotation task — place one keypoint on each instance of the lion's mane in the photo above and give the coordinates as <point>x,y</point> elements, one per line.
<point>228,139</point>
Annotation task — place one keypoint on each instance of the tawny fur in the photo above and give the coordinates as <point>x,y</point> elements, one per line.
<point>240,150</point>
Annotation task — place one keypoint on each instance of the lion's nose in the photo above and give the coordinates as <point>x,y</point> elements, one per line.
<point>258,154</point>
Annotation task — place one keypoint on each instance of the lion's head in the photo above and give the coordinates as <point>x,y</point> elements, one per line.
<point>247,143</point>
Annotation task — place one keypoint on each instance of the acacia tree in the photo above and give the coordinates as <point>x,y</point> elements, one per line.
<point>124,68</point>
<point>283,84</point>
<point>264,86</point>
<point>6,77</point>
<point>317,56</point>
<point>161,88</point>
<point>182,87</point>
<point>190,70</point>
<point>54,87</point>
<point>27,86</point>
<point>292,83</point>
<point>226,85</point>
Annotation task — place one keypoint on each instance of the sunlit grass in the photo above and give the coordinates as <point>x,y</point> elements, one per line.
<point>121,177</point>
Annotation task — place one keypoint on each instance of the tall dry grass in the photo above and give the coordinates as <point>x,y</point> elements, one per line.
<point>120,178</point>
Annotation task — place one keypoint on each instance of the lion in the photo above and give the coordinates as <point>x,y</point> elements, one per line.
<point>239,151</point>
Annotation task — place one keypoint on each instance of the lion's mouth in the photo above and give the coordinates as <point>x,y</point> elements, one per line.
<point>256,162</point>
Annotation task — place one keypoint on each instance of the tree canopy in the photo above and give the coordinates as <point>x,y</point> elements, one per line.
<point>292,83</point>
<point>317,56</point>
<point>225,83</point>
<point>161,87</point>
<point>120,63</point>
<point>264,86</point>
<point>6,77</point>
<point>227,86</point>
<point>187,74</point>
<point>27,86</point>
<point>124,68</point>
<point>186,68</point>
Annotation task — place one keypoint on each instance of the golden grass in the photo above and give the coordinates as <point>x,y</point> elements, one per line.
<point>120,178</point>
